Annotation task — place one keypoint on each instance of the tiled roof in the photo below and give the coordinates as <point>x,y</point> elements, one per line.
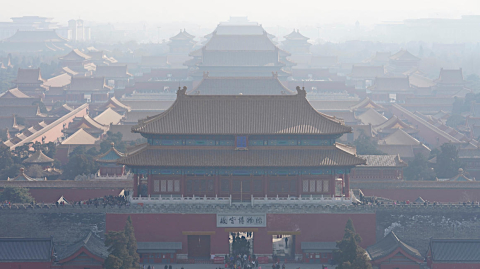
<point>38,157</point>
<point>241,114</point>
<point>111,156</point>
<point>26,250</point>
<point>388,245</point>
<point>240,58</point>
<point>404,55</point>
<point>455,250</point>
<point>240,42</point>
<point>80,137</point>
<point>328,156</point>
<point>24,177</point>
<point>420,81</point>
<point>239,30</point>
<point>391,84</point>
<point>59,81</point>
<point>382,161</point>
<point>367,71</point>
<point>70,184</point>
<point>453,76</point>
<point>321,105</point>
<point>109,116</point>
<point>295,35</point>
<point>399,137</point>
<point>115,104</point>
<point>134,116</point>
<point>37,36</point>
<point>61,111</point>
<point>126,131</point>
<point>20,111</point>
<point>393,123</point>
<point>371,116</point>
<point>86,122</point>
<point>91,242</point>
<point>365,104</point>
<point>182,35</point>
<point>29,76</point>
<point>75,55</point>
<point>88,84</point>
<point>112,71</point>
<point>238,85</point>
<point>14,93</point>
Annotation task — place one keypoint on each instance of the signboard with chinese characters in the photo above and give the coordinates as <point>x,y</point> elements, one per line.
<point>241,220</point>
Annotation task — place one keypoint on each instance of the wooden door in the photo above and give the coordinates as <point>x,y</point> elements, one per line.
<point>241,189</point>
<point>199,246</point>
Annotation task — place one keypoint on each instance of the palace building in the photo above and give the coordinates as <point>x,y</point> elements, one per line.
<point>240,150</point>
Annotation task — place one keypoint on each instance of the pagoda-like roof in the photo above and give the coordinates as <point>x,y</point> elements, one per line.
<point>38,158</point>
<point>360,71</point>
<point>23,177</point>
<point>107,117</point>
<point>391,84</point>
<point>37,36</point>
<point>61,111</point>
<point>86,122</point>
<point>59,81</point>
<point>75,55</point>
<point>451,76</point>
<point>240,85</point>
<point>399,137</point>
<point>241,114</point>
<point>459,177</point>
<point>111,156</point>
<point>115,104</point>
<point>29,76</point>
<point>90,242</point>
<point>404,55</point>
<point>394,123</point>
<point>285,157</point>
<point>182,35</point>
<point>240,42</point>
<point>112,71</point>
<point>371,116</point>
<point>89,84</point>
<point>366,103</point>
<point>14,93</point>
<point>295,35</point>
<point>80,137</point>
<point>390,244</point>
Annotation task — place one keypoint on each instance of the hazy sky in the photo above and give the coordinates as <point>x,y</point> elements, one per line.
<point>268,12</point>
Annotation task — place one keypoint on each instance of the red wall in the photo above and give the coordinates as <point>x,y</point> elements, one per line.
<point>25,265</point>
<point>456,266</point>
<point>313,227</point>
<point>52,195</point>
<point>432,195</point>
<point>399,266</point>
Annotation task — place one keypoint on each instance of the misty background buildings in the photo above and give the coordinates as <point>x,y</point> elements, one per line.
<point>273,133</point>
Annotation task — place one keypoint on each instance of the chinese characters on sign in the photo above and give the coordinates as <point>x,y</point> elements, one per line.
<point>241,220</point>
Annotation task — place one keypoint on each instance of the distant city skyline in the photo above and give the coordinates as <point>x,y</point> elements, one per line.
<point>270,13</point>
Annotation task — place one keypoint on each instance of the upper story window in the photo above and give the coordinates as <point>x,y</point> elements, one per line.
<point>241,142</point>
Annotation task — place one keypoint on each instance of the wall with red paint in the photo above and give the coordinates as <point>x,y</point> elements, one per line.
<point>399,266</point>
<point>455,265</point>
<point>313,227</point>
<point>432,195</point>
<point>25,265</point>
<point>51,195</point>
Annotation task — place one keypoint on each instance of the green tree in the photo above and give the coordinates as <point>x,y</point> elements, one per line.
<point>366,146</point>
<point>418,169</point>
<point>448,162</point>
<point>349,254</point>
<point>80,164</point>
<point>455,120</point>
<point>115,138</point>
<point>131,242</point>
<point>16,195</point>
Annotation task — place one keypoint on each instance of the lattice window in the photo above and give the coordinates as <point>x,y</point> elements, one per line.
<point>170,186</point>
<point>305,186</point>
<point>163,186</point>
<point>319,185</point>
<point>312,185</point>
<point>176,187</point>
<point>156,186</point>
<point>325,186</point>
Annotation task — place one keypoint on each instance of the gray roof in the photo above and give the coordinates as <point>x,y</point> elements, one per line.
<point>319,245</point>
<point>219,114</point>
<point>388,245</point>
<point>92,243</point>
<point>455,250</point>
<point>382,160</point>
<point>237,86</point>
<point>26,249</point>
<point>152,246</point>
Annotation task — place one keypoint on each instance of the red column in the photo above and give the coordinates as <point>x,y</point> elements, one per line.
<point>149,184</point>
<point>135,185</point>
<point>347,185</point>
<point>217,183</point>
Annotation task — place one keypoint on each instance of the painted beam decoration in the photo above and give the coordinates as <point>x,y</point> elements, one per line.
<point>241,220</point>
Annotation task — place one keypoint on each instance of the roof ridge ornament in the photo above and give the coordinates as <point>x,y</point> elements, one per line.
<point>181,91</point>
<point>301,92</point>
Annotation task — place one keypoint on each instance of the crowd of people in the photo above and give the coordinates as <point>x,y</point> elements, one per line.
<point>110,200</point>
<point>241,262</point>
